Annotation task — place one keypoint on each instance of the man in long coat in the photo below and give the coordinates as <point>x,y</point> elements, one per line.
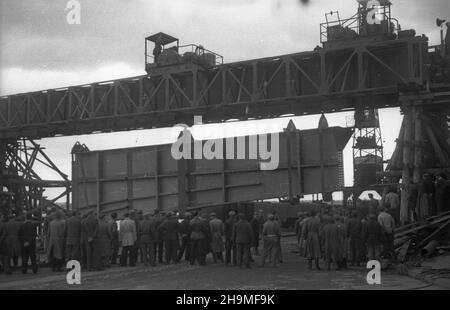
<point>185,234</point>
<point>149,235</point>
<point>354,233</point>
<point>217,230</point>
<point>115,245</point>
<point>105,235</point>
<point>56,234</point>
<point>169,230</point>
<point>12,239</point>
<point>89,229</point>
<point>373,238</point>
<point>159,245</point>
<point>73,236</point>
<point>256,223</point>
<point>230,246</point>
<point>127,237</point>
<point>3,249</point>
<point>27,237</point>
<point>199,239</point>
<point>243,238</point>
<point>331,242</point>
<point>137,217</point>
<point>341,247</point>
<point>50,216</point>
<point>387,224</point>
<point>311,232</point>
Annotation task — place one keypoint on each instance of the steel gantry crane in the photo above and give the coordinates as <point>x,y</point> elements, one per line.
<point>360,66</point>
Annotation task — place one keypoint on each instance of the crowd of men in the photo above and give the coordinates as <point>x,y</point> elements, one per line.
<point>338,236</point>
<point>343,237</point>
<point>148,239</point>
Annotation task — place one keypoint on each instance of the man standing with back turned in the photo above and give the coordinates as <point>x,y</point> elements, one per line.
<point>243,238</point>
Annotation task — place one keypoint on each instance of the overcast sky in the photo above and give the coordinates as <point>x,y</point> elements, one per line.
<point>40,50</point>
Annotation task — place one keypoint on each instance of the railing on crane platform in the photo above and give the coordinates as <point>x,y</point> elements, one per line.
<point>349,28</point>
<point>189,52</point>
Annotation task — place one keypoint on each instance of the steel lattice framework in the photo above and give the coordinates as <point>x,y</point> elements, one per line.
<point>362,74</point>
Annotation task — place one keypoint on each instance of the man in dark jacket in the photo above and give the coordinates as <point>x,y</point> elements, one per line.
<point>159,245</point>
<point>12,239</point>
<point>169,230</point>
<point>256,223</point>
<point>373,237</point>
<point>243,238</point>
<point>230,246</point>
<point>354,233</point>
<point>27,237</point>
<point>185,237</point>
<point>148,236</point>
<point>199,239</point>
<point>137,217</point>
<point>3,248</point>
<point>73,236</point>
<point>50,216</point>
<point>115,239</point>
<point>90,230</point>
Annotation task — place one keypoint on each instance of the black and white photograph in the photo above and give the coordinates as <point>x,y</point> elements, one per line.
<point>224,150</point>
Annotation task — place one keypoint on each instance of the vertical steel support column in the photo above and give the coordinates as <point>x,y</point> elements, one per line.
<point>406,176</point>
<point>289,130</point>
<point>183,166</point>
<point>299,160</point>
<point>98,184</point>
<point>322,166</point>
<point>3,149</point>
<point>129,181</point>
<point>224,173</point>
<point>156,161</point>
<point>182,185</point>
<point>418,144</point>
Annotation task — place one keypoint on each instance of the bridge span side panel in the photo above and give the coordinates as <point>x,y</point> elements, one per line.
<point>149,178</point>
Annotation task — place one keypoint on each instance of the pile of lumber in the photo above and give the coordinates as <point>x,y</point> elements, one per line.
<point>423,238</point>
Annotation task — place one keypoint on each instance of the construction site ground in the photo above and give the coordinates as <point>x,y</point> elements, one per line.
<point>292,274</point>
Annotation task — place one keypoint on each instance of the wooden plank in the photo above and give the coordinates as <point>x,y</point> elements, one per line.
<point>404,251</point>
<point>401,228</point>
<point>415,229</point>
<point>425,241</point>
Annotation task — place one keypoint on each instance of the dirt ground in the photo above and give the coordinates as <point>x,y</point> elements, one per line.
<point>293,274</point>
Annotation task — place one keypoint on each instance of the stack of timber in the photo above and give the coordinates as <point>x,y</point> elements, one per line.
<point>424,238</point>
